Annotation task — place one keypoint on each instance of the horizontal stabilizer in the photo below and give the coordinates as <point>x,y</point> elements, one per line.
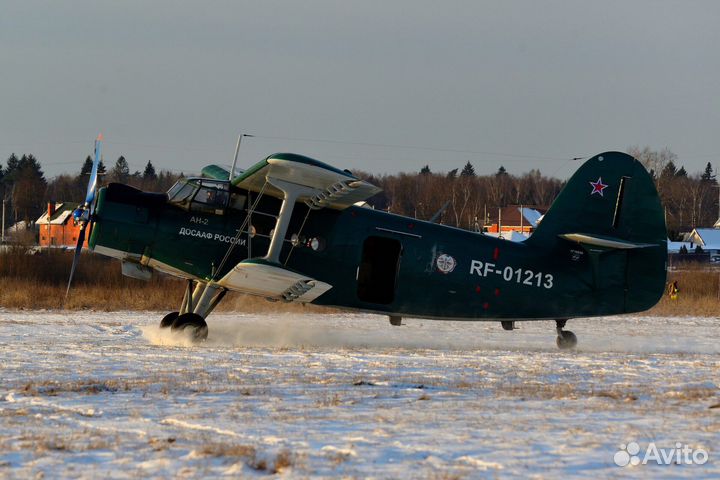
<point>260,277</point>
<point>605,242</point>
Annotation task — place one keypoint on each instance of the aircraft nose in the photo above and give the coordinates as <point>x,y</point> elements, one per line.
<point>96,215</point>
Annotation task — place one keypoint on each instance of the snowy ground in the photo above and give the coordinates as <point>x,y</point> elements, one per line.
<point>96,395</point>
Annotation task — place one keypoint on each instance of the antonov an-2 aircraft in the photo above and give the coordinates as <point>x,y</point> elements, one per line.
<point>293,229</point>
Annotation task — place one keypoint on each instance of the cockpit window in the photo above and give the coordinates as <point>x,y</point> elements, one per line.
<point>212,197</point>
<point>200,195</point>
<point>181,192</point>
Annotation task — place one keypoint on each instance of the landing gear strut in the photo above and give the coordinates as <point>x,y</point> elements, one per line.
<point>566,339</point>
<point>199,301</point>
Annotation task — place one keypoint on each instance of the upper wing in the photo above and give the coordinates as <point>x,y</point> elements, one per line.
<point>327,186</point>
<point>292,178</point>
<point>220,172</point>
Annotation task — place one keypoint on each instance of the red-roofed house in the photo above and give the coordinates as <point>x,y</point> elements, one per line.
<point>56,227</point>
<point>515,218</point>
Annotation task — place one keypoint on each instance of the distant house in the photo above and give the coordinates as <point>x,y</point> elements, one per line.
<point>707,238</point>
<point>17,230</point>
<point>56,227</point>
<point>515,218</point>
<point>512,236</point>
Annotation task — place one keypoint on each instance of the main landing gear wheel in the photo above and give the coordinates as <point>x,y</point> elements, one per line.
<point>194,322</point>
<point>168,319</point>
<point>566,339</point>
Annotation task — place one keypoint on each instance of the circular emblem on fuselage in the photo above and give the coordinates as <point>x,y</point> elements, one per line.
<point>445,263</point>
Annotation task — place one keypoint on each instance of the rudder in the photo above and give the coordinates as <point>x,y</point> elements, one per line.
<point>611,207</point>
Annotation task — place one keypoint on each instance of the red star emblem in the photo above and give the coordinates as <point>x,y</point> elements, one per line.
<point>598,187</point>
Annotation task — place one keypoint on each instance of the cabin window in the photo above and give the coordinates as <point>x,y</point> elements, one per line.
<point>237,201</point>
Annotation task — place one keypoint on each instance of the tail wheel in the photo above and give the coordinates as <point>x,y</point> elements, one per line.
<point>169,319</point>
<point>566,340</point>
<point>194,322</point>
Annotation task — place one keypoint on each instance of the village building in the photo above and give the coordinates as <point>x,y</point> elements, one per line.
<point>56,227</point>
<point>512,236</point>
<point>514,221</point>
<point>703,243</point>
<point>17,231</point>
<point>707,238</point>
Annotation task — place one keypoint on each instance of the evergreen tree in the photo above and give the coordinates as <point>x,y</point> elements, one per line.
<point>681,173</point>
<point>452,173</point>
<point>15,165</point>
<point>669,170</point>
<point>149,173</point>
<point>87,167</point>
<point>30,163</point>
<point>29,186</point>
<point>12,165</point>
<point>501,172</point>
<point>707,175</point>
<point>468,170</point>
<point>121,171</point>
<point>425,170</point>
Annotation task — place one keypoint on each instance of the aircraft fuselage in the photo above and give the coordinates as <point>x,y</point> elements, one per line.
<point>375,261</point>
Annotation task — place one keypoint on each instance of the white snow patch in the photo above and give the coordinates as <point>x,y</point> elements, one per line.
<point>478,463</point>
<point>195,426</point>
<point>90,394</point>
<point>345,452</point>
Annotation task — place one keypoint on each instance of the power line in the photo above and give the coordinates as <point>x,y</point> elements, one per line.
<point>412,147</point>
<point>176,147</point>
<point>213,148</point>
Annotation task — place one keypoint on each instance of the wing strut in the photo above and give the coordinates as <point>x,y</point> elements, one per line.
<point>291,192</point>
<point>240,232</point>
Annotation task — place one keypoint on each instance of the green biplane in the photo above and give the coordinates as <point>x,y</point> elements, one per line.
<point>293,229</point>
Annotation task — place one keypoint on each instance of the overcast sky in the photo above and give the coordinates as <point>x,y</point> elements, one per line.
<point>525,84</point>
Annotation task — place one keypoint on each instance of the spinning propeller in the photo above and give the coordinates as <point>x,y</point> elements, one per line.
<point>83,215</point>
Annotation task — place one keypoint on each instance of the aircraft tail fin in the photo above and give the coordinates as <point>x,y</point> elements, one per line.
<point>611,209</point>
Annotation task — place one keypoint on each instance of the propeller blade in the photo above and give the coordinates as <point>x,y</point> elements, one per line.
<point>76,257</point>
<point>92,184</point>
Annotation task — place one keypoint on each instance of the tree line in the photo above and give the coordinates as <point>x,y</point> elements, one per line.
<point>464,199</point>
<point>458,197</point>
<point>26,191</point>
<point>690,200</point>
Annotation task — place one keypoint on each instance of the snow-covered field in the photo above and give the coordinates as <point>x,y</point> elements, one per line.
<point>97,395</point>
